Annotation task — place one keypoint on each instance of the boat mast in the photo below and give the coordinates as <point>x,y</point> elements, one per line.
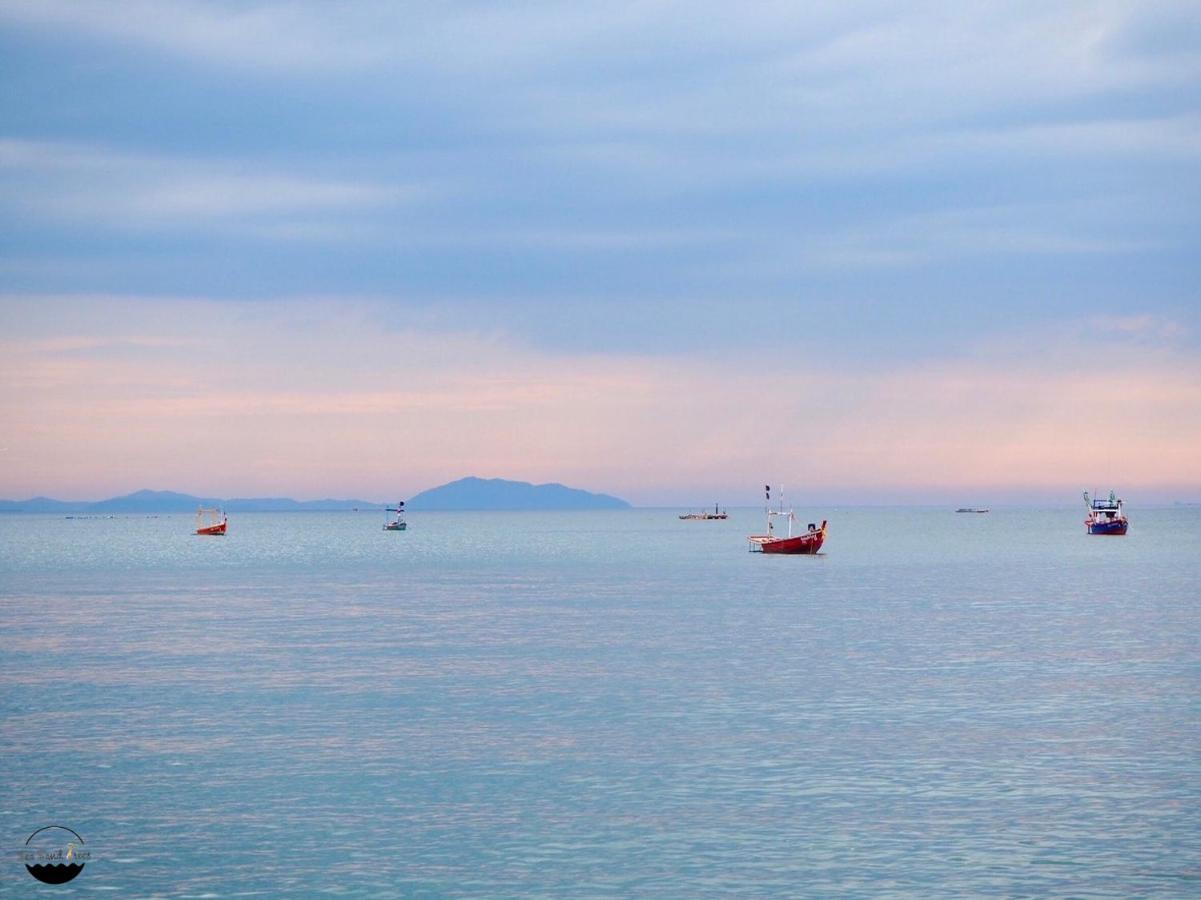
<point>772,513</point>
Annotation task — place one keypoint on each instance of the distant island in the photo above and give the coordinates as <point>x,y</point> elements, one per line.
<point>497,493</point>
<point>464,494</point>
<point>157,502</point>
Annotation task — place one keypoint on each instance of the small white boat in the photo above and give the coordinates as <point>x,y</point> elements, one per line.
<point>396,522</point>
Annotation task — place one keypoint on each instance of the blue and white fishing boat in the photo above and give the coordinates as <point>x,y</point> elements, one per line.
<point>1105,516</point>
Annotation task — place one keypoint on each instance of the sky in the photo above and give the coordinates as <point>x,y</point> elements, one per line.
<point>874,252</point>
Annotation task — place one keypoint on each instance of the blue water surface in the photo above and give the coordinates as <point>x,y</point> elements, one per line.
<point>605,703</point>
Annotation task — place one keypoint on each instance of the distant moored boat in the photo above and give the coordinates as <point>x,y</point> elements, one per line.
<point>705,514</point>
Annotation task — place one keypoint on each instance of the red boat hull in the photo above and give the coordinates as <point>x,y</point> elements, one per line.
<point>802,545</point>
<point>213,529</point>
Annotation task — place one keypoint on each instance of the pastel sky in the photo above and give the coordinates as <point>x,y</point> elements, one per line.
<point>878,252</point>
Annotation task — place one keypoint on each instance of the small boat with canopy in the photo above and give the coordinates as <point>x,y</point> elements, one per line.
<point>395,522</point>
<point>211,521</point>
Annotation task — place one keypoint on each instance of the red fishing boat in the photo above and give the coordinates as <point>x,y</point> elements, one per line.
<point>206,521</point>
<point>807,542</point>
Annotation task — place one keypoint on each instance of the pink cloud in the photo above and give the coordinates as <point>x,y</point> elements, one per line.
<point>306,402</point>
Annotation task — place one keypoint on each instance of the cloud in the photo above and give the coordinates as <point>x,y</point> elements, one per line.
<point>1176,137</point>
<point>264,35</point>
<point>759,64</point>
<point>229,195</point>
<point>1144,327</point>
<point>80,183</point>
<point>676,97</point>
<point>632,176</point>
<point>308,401</point>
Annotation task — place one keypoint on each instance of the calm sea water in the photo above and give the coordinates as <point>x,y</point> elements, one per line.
<point>606,703</point>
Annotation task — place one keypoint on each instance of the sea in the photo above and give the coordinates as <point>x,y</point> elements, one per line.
<point>607,703</point>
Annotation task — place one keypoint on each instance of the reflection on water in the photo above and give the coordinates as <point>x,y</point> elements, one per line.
<point>607,702</point>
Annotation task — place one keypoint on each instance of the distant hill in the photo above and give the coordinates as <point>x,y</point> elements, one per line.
<point>147,502</point>
<point>151,502</point>
<point>496,493</point>
<point>40,504</point>
<point>466,493</point>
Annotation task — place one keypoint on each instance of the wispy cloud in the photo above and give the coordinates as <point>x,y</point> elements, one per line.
<point>864,186</point>
<point>107,188</point>
<point>310,402</point>
<point>1143,327</point>
<point>263,35</point>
